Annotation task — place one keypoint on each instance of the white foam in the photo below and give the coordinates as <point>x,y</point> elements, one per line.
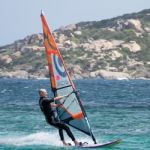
<point>3,91</point>
<point>40,138</point>
<point>26,87</point>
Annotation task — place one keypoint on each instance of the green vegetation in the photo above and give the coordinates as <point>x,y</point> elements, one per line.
<point>6,52</point>
<point>125,51</point>
<point>144,42</point>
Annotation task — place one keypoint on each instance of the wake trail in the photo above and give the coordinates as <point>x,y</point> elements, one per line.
<point>40,138</point>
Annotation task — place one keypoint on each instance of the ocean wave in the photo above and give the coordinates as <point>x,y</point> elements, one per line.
<point>5,90</point>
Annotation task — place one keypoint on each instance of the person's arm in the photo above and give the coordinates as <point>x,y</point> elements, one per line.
<point>57,105</point>
<point>60,97</point>
<point>54,105</point>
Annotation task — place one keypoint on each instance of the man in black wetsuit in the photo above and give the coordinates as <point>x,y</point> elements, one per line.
<point>47,108</point>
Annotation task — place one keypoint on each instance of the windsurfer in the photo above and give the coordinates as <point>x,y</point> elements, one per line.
<point>47,107</point>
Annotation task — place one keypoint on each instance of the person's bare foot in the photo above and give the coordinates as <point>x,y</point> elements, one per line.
<point>66,144</point>
<point>77,143</point>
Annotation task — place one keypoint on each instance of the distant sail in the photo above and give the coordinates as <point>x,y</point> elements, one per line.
<point>73,113</point>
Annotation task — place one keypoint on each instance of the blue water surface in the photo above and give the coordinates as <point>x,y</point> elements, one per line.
<point>116,110</point>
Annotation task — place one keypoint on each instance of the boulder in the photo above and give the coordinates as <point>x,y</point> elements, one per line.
<point>132,46</point>
<point>110,75</point>
<point>6,59</point>
<point>70,44</point>
<point>62,38</point>
<point>70,27</point>
<point>147,29</point>
<point>102,45</point>
<point>135,24</point>
<point>78,33</point>
<point>16,54</point>
<point>132,64</point>
<point>26,49</point>
<point>115,54</point>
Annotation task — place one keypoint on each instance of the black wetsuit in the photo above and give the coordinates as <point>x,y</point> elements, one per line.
<point>45,105</point>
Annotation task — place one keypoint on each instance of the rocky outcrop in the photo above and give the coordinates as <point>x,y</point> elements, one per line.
<point>132,46</point>
<point>6,59</point>
<point>68,27</point>
<point>110,75</point>
<point>78,33</point>
<point>135,24</point>
<point>102,45</point>
<point>128,24</point>
<point>20,74</point>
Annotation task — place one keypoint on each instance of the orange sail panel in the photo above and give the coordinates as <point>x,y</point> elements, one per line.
<point>72,112</point>
<point>51,48</point>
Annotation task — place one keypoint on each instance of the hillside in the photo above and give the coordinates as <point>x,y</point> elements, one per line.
<point>117,48</point>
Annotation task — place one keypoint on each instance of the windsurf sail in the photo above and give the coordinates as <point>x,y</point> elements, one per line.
<point>73,112</point>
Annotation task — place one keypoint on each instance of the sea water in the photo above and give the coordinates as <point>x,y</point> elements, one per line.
<point>116,110</point>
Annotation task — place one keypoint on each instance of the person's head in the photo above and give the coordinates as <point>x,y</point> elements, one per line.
<point>43,93</point>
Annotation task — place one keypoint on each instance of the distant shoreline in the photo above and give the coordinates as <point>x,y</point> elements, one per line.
<point>87,78</point>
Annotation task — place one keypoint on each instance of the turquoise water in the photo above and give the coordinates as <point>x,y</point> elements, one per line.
<point>116,109</point>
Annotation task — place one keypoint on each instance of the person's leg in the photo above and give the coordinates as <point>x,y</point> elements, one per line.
<point>62,136</point>
<point>67,129</point>
<point>61,125</point>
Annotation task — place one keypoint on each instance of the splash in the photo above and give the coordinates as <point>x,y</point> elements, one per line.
<point>40,138</point>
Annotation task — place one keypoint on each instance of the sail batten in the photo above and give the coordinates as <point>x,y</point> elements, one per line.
<point>63,87</point>
<point>73,112</point>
